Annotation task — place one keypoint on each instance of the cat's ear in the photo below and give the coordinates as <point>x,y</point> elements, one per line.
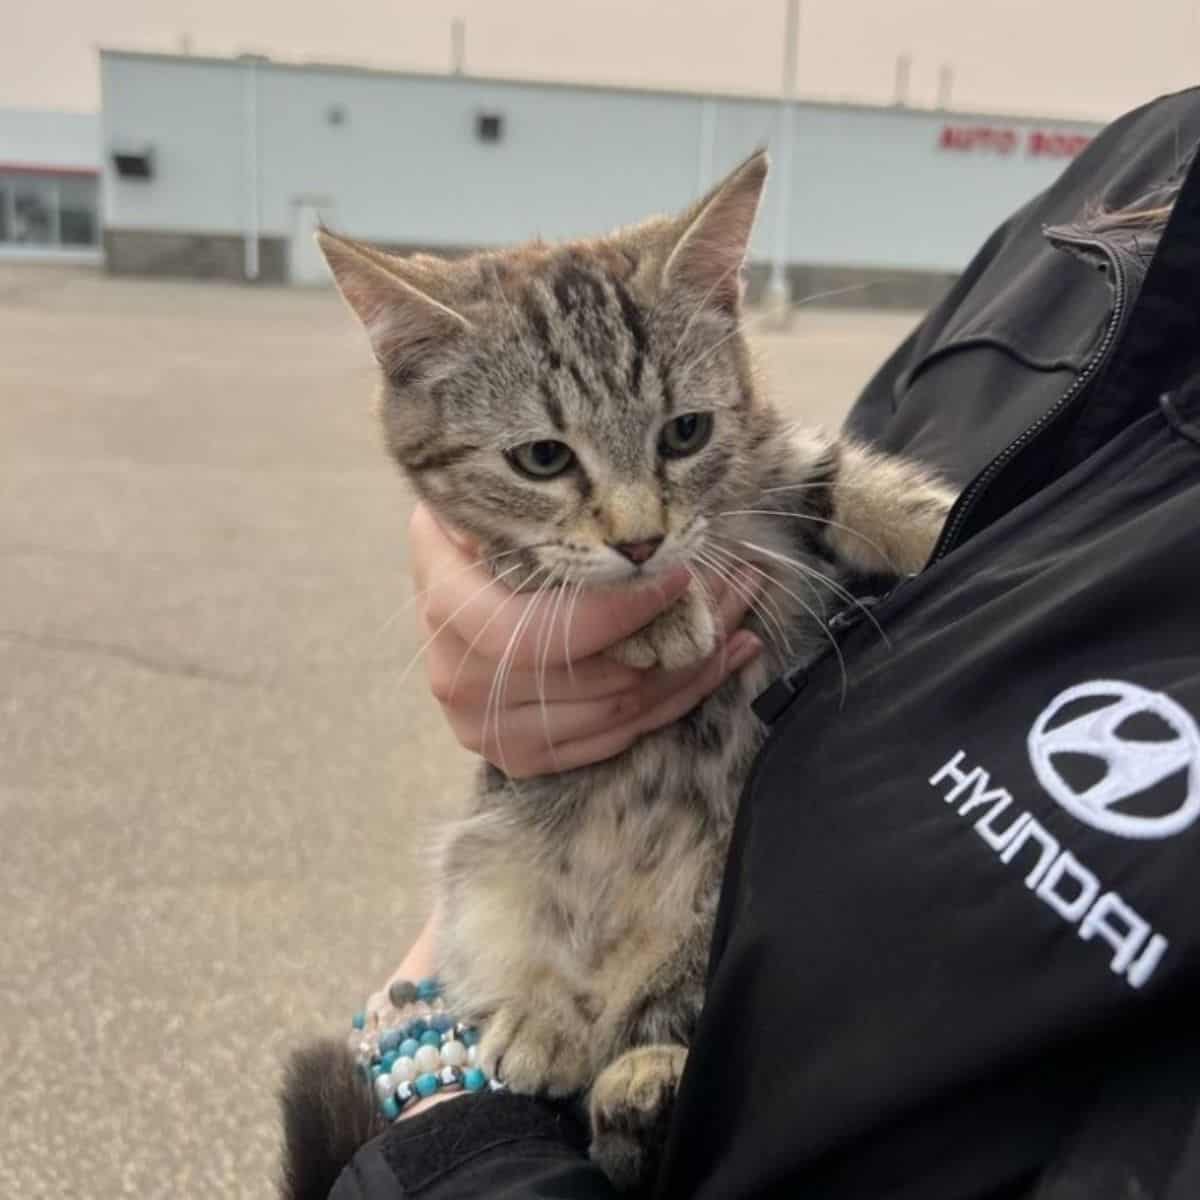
<point>409,328</point>
<point>708,256</point>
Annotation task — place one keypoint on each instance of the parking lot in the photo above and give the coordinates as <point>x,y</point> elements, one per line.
<point>216,790</point>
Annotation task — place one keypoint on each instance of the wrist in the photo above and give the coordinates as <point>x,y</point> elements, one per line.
<point>411,1050</point>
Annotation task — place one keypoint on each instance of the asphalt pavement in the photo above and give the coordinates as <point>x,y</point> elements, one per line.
<point>217,783</point>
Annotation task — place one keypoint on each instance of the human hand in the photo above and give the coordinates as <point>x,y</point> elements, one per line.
<point>560,703</point>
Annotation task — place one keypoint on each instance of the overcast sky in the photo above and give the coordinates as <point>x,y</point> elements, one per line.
<point>1091,58</point>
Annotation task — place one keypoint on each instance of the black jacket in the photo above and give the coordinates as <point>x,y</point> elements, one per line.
<point>961,959</point>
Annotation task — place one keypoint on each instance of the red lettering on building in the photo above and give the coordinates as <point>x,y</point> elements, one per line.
<point>1004,139</point>
<point>1048,144</point>
<point>989,138</point>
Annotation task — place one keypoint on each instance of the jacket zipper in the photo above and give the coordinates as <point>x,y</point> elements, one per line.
<point>970,497</point>
<point>781,693</point>
<point>771,704</point>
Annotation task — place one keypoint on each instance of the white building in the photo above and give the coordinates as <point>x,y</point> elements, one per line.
<point>49,186</point>
<point>222,167</point>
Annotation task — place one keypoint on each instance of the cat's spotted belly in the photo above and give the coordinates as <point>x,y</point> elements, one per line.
<point>578,911</point>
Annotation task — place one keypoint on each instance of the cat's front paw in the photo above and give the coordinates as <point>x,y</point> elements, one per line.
<point>629,1108</point>
<point>534,1052</point>
<point>679,637</point>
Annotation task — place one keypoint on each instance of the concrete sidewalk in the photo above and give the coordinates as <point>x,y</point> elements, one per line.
<point>215,785</point>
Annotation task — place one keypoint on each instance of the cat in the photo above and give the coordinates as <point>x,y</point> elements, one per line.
<point>588,411</point>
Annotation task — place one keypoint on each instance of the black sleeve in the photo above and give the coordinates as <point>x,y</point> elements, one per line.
<point>496,1145</point>
<point>1141,1135</point>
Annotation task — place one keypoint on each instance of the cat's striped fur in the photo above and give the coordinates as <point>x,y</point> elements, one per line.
<point>578,907</point>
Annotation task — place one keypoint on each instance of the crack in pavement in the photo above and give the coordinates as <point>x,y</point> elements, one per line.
<point>136,658</point>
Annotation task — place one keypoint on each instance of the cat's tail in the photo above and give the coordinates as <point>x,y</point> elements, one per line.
<point>328,1113</point>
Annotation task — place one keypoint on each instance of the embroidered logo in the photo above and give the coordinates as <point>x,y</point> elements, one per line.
<point>1104,764</point>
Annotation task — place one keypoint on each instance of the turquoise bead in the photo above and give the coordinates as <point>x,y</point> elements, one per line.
<point>469,1037</point>
<point>377,1069</point>
<point>431,1037</point>
<point>428,989</point>
<point>390,1108</point>
<point>426,1084</point>
<point>441,1022</point>
<point>390,1039</point>
<point>474,1079</point>
<point>409,1047</point>
<point>416,1027</point>
<point>359,1020</point>
<point>389,1060</point>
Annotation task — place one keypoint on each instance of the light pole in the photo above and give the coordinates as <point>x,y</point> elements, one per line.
<point>779,293</point>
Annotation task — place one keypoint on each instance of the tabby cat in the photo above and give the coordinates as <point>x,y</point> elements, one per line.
<point>588,411</point>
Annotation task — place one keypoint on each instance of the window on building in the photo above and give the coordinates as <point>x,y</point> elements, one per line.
<point>33,208</point>
<point>77,211</point>
<point>48,209</point>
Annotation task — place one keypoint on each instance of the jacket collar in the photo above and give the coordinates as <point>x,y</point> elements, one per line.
<point>1159,345</point>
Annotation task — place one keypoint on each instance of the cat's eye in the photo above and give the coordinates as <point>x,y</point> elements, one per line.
<point>685,435</point>
<point>541,460</point>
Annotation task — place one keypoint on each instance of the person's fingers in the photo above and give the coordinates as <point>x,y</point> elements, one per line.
<point>734,601</point>
<point>550,627</point>
<point>515,732</point>
<point>463,678</point>
<point>662,705</point>
<point>431,548</point>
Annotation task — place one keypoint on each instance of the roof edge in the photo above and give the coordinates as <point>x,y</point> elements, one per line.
<point>265,61</point>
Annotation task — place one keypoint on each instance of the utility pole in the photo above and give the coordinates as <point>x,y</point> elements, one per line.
<point>903,73</point>
<point>779,294</point>
<point>945,85</point>
<point>458,46</point>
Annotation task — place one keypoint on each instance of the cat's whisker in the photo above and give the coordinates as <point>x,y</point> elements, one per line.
<point>512,595</point>
<point>700,307</point>
<point>817,618</point>
<point>720,538</point>
<point>504,671</point>
<point>772,620</point>
<point>493,698</point>
<point>412,662</point>
<point>742,327</point>
<point>746,325</point>
<point>770,512</point>
<point>811,573</point>
<point>813,297</point>
<point>575,594</point>
<point>486,560</point>
<point>837,588</point>
<point>824,484</point>
<point>540,673</point>
<point>512,316</point>
<point>710,604</point>
<point>757,603</point>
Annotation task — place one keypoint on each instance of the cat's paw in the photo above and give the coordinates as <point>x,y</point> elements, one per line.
<point>534,1052</point>
<point>629,1109</point>
<point>679,637</point>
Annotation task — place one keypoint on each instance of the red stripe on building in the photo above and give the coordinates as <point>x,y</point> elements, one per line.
<point>64,172</point>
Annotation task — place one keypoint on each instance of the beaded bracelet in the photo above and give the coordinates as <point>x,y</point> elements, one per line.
<point>414,1048</point>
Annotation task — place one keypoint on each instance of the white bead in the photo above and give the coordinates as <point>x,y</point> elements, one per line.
<point>385,1086</point>
<point>404,1069</point>
<point>473,1055</point>
<point>427,1059</point>
<point>454,1054</point>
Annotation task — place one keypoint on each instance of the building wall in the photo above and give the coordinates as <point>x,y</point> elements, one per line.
<point>37,137</point>
<point>49,185</point>
<point>873,189</point>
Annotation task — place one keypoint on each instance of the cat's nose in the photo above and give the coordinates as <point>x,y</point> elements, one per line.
<point>638,552</point>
